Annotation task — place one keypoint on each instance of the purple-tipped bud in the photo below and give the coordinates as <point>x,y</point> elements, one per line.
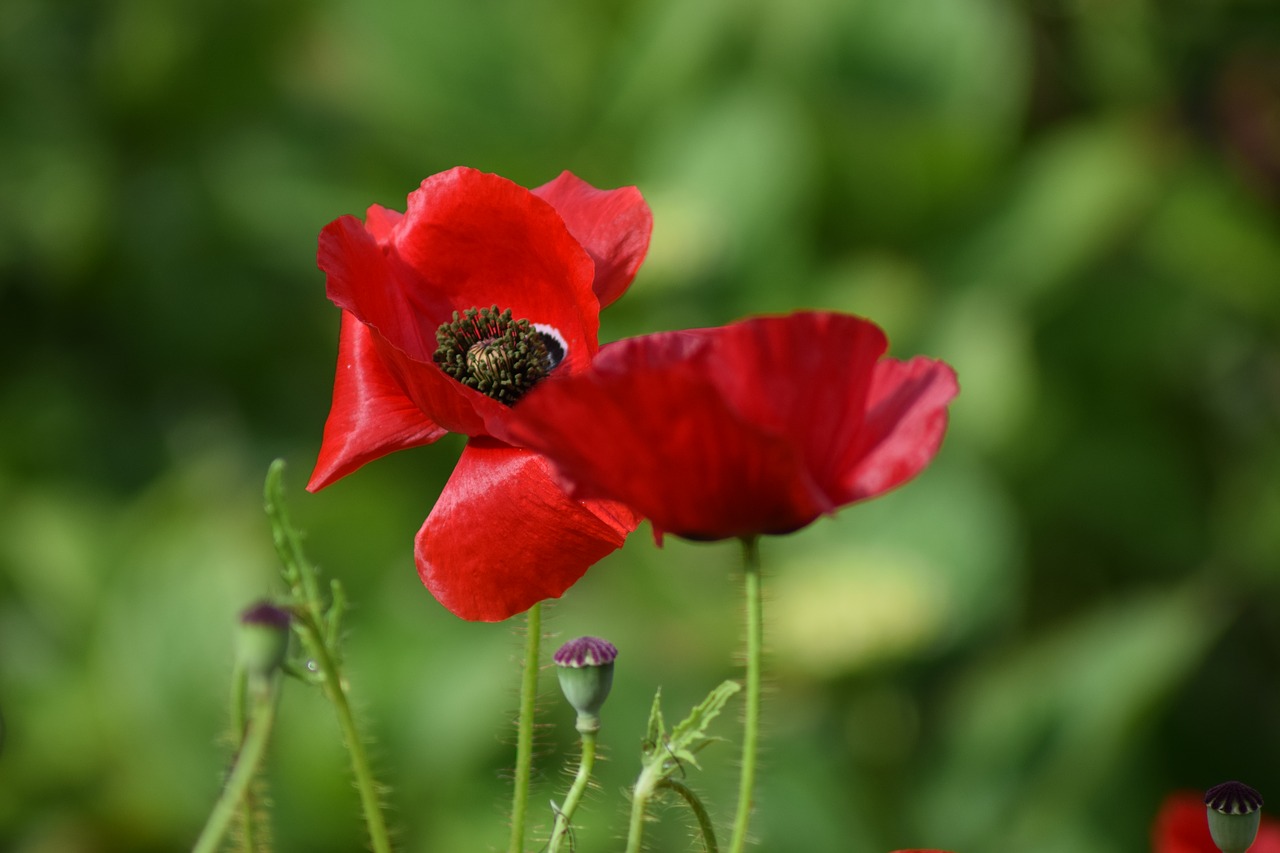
<point>264,638</point>
<point>586,651</point>
<point>1234,810</point>
<point>585,669</point>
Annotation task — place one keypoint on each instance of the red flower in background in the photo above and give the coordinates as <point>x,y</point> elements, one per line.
<point>756,427</point>
<point>421,354</point>
<point>1182,826</point>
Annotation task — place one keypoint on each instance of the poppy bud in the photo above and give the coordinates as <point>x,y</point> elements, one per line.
<point>263,639</point>
<point>1235,810</point>
<point>585,669</point>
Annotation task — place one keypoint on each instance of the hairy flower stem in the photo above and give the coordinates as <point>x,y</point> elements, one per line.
<point>248,758</point>
<point>751,726</point>
<point>335,690</point>
<point>564,815</point>
<point>650,778</point>
<point>239,730</point>
<point>699,811</point>
<point>524,727</point>
<point>318,630</point>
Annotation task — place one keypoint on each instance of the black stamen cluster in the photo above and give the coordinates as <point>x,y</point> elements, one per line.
<point>485,349</point>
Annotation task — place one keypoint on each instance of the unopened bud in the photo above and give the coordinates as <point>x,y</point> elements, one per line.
<point>1235,810</point>
<point>585,669</point>
<point>263,640</point>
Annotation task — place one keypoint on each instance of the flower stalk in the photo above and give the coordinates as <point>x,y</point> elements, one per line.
<point>524,727</point>
<point>318,629</point>
<point>564,814</point>
<point>257,734</point>
<point>650,777</point>
<point>751,726</point>
<point>705,827</point>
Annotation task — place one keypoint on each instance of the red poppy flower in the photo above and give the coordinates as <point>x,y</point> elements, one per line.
<point>1182,826</point>
<point>450,313</point>
<point>756,427</point>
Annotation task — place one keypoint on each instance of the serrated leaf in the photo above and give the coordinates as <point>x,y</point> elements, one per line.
<point>685,755</point>
<point>657,729</point>
<point>690,733</point>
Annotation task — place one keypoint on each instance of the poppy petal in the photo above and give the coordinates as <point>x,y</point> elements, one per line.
<point>474,239</point>
<point>905,421</point>
<point>504,536</point>
<point>370,416</point>
<point>756,427</point>
<point>377,287</point>
<point>362,279</point>
<point>614,227</point>
<point>380,222</point>
<point>805,376</point>
<point>648,427</point>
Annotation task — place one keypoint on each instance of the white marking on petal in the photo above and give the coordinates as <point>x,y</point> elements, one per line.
<point>557,347</point>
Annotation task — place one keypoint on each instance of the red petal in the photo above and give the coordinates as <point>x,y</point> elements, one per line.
<point>749,428</point>
<point>1181,827</point>
<point>370,416</point>
<point>469,239</point>
<point>504,536</point>
<point>650,428</point>
<point>612,225</point>
<point>355,264</point>
<point>473,240</point>
<point>1268,840</point>
<point>376,286</point>
<point>905,420</point>
<point>380,222</point>
<point>805,376</point>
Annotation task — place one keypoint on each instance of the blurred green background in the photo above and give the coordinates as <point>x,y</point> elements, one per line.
<point>1075,611</point>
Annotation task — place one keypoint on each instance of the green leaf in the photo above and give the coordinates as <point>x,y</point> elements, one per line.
<point>690,735</point>
<point>657,729</point>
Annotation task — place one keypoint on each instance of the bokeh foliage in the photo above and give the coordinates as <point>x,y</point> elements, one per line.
<point>1074,612</point>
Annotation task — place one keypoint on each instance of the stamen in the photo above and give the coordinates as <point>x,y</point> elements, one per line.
<point>502,358</point>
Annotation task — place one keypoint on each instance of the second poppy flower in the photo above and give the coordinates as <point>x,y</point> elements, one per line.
<point>757,427</point>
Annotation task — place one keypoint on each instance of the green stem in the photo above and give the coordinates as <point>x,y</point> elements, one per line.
<point>564,816</point>
<point>699,812</point>
<point>254,747</point>
<point>335,690</point>
<point>318,632</point>
<point>524,727</point>
<point>239,729</point>
<point>650,778</point>
<point>751,727</point>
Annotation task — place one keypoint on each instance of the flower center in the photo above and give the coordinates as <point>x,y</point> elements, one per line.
<point>502,358</point>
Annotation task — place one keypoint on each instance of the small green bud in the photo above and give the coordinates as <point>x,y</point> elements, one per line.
<point>1235,810</point>
<point>263,640</point>
<point>585,668</point>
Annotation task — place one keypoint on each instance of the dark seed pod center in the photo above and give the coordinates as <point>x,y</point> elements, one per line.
<point>502,358</point>
<point>1233,798</point>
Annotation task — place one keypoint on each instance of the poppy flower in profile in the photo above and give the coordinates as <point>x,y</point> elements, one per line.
<point>451,312</point>
<point>1182,826</point>
<point>756,427</point>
